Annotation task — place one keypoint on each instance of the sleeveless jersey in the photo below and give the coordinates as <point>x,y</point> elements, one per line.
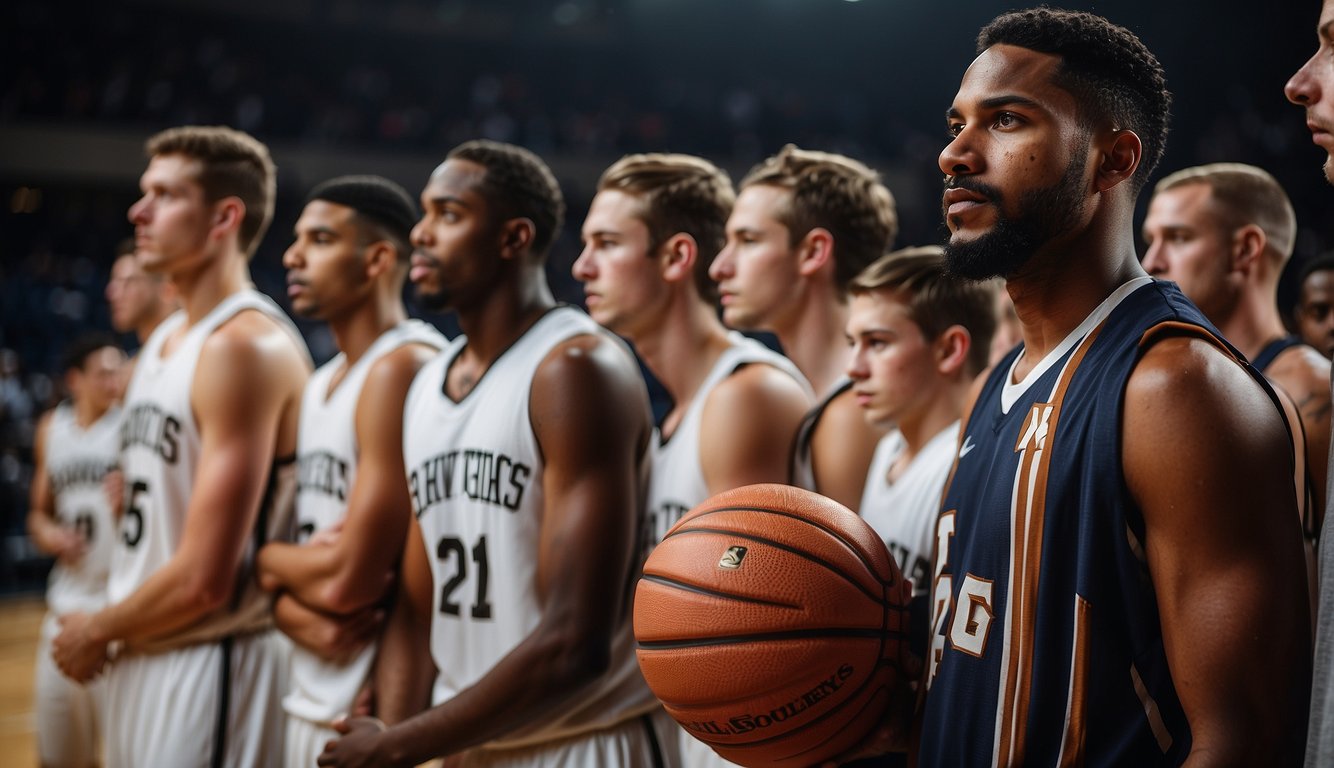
<point>677,483</point>
<point>77,461</point>
<point>1273,349</point>
<point>327,453</point>
<point>803,464</point>
<point>904,512</point>
<point>160,447</point>
<point>475,475</point>
<point>1046,643</point>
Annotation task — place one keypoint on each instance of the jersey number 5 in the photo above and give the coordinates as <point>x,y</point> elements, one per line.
<point>132,527</point>
<point>453,550</point>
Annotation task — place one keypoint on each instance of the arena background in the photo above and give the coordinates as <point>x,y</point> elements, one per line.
<point>354,86</point>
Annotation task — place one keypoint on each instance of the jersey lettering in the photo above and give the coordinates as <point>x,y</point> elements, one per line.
<point>972,616</point>
<point>452,549</point>
<point>148,425</point>
<point>943,598</point>
<point>80,473</point>
<point>492,478</point>
<point>322,472</point>
<point>132,524</point>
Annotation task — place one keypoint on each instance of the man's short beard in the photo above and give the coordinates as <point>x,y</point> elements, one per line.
<point>431,302</point>
<point>1043,215</point>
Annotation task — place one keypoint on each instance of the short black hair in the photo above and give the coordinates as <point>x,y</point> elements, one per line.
<point>378,201</point>
<point>1321,263</point>
<point>83,347</point>
<point>1114,78</point>
<point>519,185</point>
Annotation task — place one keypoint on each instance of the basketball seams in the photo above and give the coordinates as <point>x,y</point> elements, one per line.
<point>687,587</point>
<point>831,567</point>
<point>769,637</point>
<point>853,546</point>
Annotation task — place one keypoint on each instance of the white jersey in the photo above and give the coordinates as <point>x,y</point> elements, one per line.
<point>803,463</point>
<point>160,447</point>
<point>677,484</point>
<point>327,454</point>
<point>475,475</point>
<point>904,512</point>
<point>77,461</point>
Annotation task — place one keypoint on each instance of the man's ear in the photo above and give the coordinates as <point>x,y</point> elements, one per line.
<point>679,255</point>
<point>381,256</point>
<point>814,251</point>
<point>1121,155</point>
<point>1248,248</point>
<point>228,213</point>
<point>951,349</point>
<point>516,237</point>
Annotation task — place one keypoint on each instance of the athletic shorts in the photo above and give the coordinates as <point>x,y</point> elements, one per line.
<point>647,741</point>
<point>213,705</point>
<point>69,715</point>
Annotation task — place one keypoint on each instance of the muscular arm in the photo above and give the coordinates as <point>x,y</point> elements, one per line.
<point>750,421</point>
<point>1206,457</point>
<point>590,415</point>
<point>842,448</point>
<point>404,671</point>
<point>355,570</point>
<point>249,375</point>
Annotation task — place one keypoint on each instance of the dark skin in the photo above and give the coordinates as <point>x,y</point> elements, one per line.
<point>1224,551</point>
<point>590,416</point>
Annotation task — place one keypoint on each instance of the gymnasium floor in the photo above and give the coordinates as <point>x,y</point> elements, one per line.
<point>20,620</point>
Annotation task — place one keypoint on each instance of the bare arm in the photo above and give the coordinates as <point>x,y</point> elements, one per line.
<point>336,639</point>
<point>48,535</point>
<point>1224,551</point>
<point>249,376</point>
<point>842,448</point>
<point>590,415</point>
<point>404,671</point>
<point>1305,376</point>
<point>750,421</point>
<point>355,571</point>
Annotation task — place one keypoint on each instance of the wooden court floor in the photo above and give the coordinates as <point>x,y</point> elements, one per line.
<point>20,623</point>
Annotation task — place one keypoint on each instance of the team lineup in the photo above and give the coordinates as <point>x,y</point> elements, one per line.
<point>1098,473</point>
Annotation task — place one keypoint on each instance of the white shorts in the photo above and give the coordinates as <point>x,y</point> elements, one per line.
<point>69,715</point>
<point>305,741</point>
<point>166,710</point>
<point>647,741</point>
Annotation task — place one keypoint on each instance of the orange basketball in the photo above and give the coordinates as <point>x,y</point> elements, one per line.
<point>770,621</point>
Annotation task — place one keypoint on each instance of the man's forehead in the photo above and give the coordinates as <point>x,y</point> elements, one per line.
<point>455,175</point>
<point>1010,69</point>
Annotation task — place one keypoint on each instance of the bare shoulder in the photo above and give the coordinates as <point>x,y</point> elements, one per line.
<point>758,386</point>
<point>843,420</point>
<point>585,359</point>
<point>588,402</point>
<point>250,357</point>
<point>1189,400</point>
<point>397,367</point>
<point>1302,372</point>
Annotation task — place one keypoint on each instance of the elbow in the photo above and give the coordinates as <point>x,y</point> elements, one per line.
<point>578,658</point>
<point>202,596</point>
<point>345,594</point>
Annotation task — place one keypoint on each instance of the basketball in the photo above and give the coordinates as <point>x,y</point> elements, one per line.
<point>769,623</point>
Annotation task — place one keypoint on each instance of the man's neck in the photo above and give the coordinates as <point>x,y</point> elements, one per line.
<point>1253,322</point>
<point>145,329</point>
<point>494,324</point>
<point>356,331</point>
<point>682,348</point>
<point>86,414</point>
<point>815,340</point>
<point>205,287</point>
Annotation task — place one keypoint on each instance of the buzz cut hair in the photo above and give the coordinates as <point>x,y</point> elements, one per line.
<point>384,210</point>
<point>678,194</point>
<point>836,193</point>
<point>1244,194</point>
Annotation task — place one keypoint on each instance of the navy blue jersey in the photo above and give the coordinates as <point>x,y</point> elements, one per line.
<point>1273,349</point>
<point>1046,643</point>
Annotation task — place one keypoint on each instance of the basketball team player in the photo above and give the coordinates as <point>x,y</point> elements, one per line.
<point>70,518</point>
<point>526,445</point>
<point>346,267</point>
<point>649,238</point>
<point>206,444</point>
<point>1223,233</point>
<point>1313,314</point>
<point>804,224</point>
<point>1121,519</point>
<point>919,337</point>
<point>1312,88</point>
<point>139,301</point>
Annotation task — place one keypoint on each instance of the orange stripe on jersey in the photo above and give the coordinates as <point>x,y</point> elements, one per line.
<point>1072,744</point>
<point>1030,516</point>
